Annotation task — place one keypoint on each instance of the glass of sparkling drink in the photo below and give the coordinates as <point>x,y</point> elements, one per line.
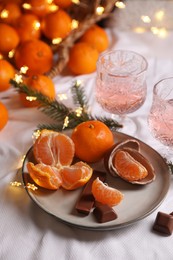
<point>160,118</point>
<point>121,84</point>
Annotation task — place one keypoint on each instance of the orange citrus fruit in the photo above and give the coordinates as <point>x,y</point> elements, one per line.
<point>9,13</point>
<point>38,7</point>
<point>56,24</point>
<point>3,115</point>
<point>44,175</point>
<point>128,168</point>
<point>53,148</point>
<point>40,83</point>
<point>92,140</point>
<point>7,72</point>
<point>105,194</point>
<point>76,175</point>
<point>36,55</point>
<point>28,27</point>
<point>82,58</point>
<point>96,37</point>
<point>63,3</point>
<point>9,38</point>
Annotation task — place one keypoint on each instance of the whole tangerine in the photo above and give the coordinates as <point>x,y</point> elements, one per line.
<point>28,27</point>
<point>7,72</point>
<point>3,115</point>
<point>82,58</point>
<point>9,38</point>
<point>41,83</point>
<point>36,55</point>
<point>56,24</point>
<point>96,37</point>
<point>92,140</point>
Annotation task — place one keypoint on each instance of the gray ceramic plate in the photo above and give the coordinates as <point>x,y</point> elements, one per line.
<point>138,201</point>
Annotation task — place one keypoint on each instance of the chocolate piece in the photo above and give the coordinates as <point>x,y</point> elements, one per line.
<point>104,213</point>
<point>86,200</point>
<point>163,223</point>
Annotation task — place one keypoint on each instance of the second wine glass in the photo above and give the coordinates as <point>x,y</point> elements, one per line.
<point>121,84</point>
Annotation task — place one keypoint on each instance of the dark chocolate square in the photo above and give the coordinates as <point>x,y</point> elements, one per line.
<point>163,223</point>
<point>104,213</point>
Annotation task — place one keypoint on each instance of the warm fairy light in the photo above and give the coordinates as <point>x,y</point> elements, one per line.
<point>36,134</point>
<point>100,10</point>
<point>1,56</point>
<point>18,78</point>
<point>74,24</point>
<point>36,25</point>
<point>62,96</point>
<point>31,186</point>
<point>49,1</point>
<point>56,40</point>
<point>159,15</point>
<point>31,98</point>
<point>4,14</point>
<point>15,183</point>
<point>139,29</point>
<point>160,32</point>
<point>78,82</point>
<point>120,4</point>
<point>24,69</point>
<point>145,18</point>
<point>76,2</point>
<point>11,54</point>
<point>26,6</point>
<point>53,8</point>
<point>78,111</point>
<point>66,122</point>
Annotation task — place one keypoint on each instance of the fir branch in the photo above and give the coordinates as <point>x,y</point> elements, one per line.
<point>59,112</point>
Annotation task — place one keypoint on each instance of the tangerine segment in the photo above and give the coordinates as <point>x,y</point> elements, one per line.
<point>54,148</point>
<point>76,175</point>
<point>105,194</point>
<point>45,176</point>
<point>129,168</point>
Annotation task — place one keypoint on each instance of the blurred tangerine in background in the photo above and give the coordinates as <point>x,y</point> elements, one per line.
<point>38,7</point>
<point>56,24</point>
<point>9,12</point>
<point>28,27</point>
<point>82,58</point>
<point>36,55</point>
<point>3,115</point>
<point>63,3</point>
<point>40,83</point>
<point>7,72</point>
<point>9,38</point>
<point>96,37</point>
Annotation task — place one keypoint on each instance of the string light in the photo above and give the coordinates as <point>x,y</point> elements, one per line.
<point>160,32</point>
<point>66,122</point>
<point>11,54</point>
<point>100,10</point>
<point>159,15</point>
<point>120,4</point>
<point>36,134</point>
<point>62,96</point>
<point>18,78</point>
<point>53,8</point>
<point>26,6</point>
<point>4,14</point>
<point>78,111</point>
<point>31,98</point>
<point>74,24</point>
<point>145,18</point>
<point>23,69</point>
<point>31,186</point>
<point>56,40</point>
<point>15,183</point>
<point>77,2</point>
<point>78,82</point>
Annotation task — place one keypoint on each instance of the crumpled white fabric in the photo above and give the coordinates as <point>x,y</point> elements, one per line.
<point>26,231</point>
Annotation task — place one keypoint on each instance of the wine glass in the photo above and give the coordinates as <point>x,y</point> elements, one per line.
<point>121,84</point>
<point>160,118</point>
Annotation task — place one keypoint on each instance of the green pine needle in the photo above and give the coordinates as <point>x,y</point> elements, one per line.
<point>59,112</point>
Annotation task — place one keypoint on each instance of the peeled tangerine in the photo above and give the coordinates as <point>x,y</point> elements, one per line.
<point>127,162</point>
